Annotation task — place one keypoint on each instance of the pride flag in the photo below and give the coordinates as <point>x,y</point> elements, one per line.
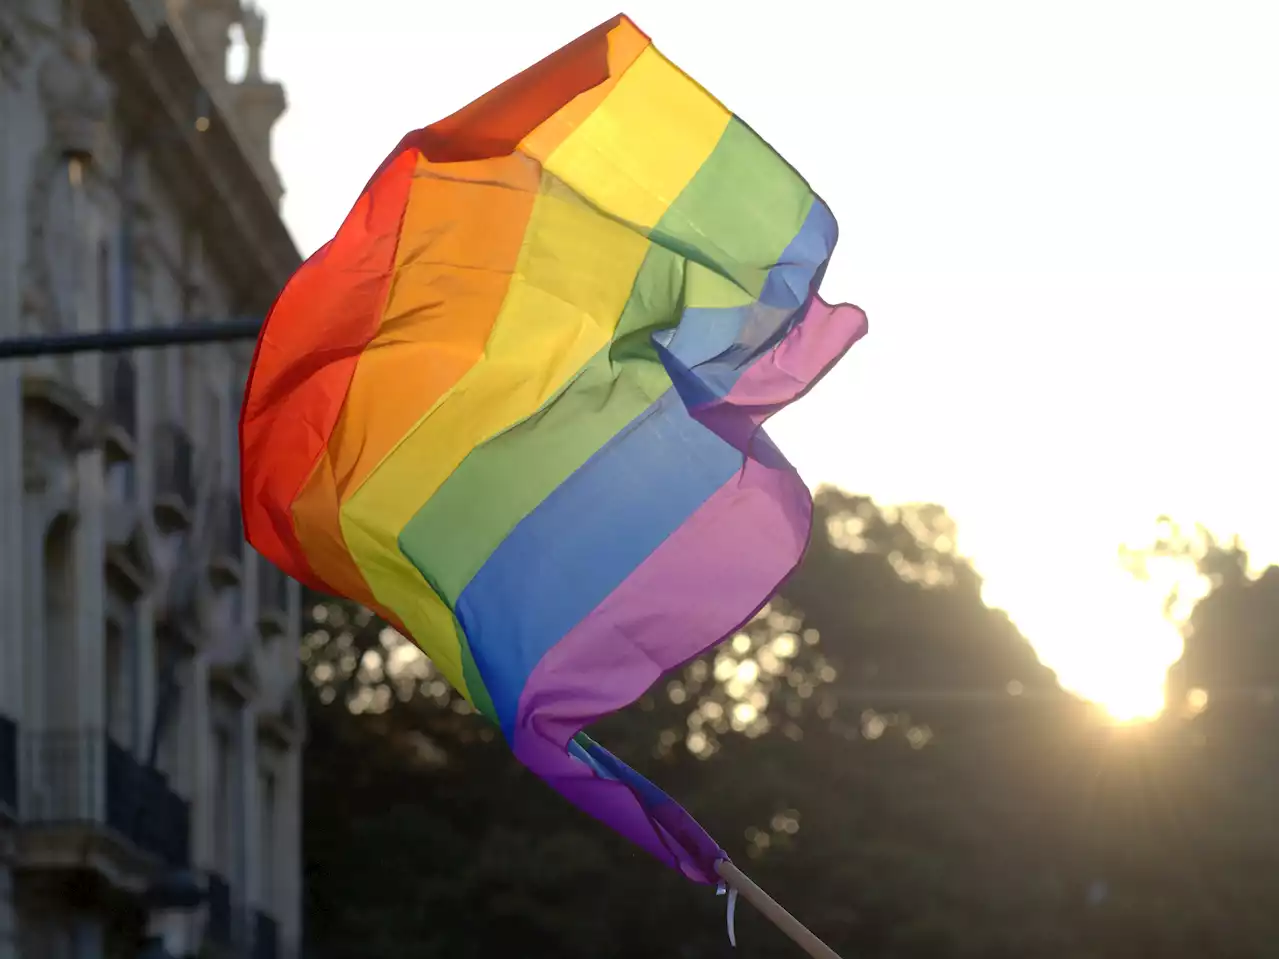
<point>515,405</point>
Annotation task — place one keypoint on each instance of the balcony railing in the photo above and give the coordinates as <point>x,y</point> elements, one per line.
<point>273,595</point>
<point>266,937</point>
<point>228,533</point>
<point>220,928</point>
<point>120,394</point>
<point>8,765</point>
<point>83,777</point>
<point>141,805</point>
<point>175,489</point>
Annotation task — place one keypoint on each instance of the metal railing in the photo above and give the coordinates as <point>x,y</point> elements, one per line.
<point>273,591</point>
<point>174,466</point>
<point>8,764</point>
<point>220,929</point>
<point>228,530</point>
<point>120,393</point>
<point>230,925</point>
<point>83,777</point>
<point>266,937</point>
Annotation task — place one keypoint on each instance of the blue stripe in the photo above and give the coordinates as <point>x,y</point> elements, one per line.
<point>583,540</point>
<point>608,766</point>
<point>792,278</point>
<point>715,345</point>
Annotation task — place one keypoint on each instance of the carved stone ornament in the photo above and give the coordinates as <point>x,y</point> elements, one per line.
<point>231,640</point>
<point>13,46</point>
<point>253,24</point>
<point>151,15</point>
<point>76,101</point>
<point>76,98</point>
<point>55,255</point>
<point>208,25</point>
<point>47,468</point>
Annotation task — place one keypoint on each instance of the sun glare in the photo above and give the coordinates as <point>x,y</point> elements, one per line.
<point>1103,633</point>
<point>1130,699</point>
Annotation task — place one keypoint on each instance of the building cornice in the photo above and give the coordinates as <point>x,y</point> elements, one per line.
<point>206,169</point>
<point>13,56</point>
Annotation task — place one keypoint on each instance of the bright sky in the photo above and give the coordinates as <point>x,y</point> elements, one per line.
<point>1063,220</point>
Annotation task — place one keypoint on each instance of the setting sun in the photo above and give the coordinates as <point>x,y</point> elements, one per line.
<point>1130,699</point>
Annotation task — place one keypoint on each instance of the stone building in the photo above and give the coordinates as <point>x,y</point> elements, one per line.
<point>149,713</point>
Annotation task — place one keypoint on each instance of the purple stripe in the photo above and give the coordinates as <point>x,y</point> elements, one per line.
<point>786,372</point>
<point>699,586</point>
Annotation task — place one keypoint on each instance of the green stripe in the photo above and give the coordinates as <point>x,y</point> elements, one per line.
<point>506,477</point>
<point>471,676</point>
<point>736,216</point>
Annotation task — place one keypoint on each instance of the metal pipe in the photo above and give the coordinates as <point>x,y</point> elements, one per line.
<point>112,341</point>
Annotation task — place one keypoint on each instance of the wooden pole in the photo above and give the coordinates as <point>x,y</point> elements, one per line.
<point>788,923</point>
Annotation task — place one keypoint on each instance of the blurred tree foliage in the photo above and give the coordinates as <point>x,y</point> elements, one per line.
<point>878,748</point>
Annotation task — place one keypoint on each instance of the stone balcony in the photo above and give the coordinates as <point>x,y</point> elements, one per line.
<point>81,789</point>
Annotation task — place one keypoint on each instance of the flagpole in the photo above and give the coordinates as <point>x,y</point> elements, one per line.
<point>774,912</point>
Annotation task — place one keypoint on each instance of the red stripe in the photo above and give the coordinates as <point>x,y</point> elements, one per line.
<point>305,359</point>
<point>332,307</point>
<point>494,125</point>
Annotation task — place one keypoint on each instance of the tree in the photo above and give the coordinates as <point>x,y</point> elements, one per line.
<point>878,747</point>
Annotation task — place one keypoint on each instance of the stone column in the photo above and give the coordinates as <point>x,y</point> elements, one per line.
<point>90,558</point>
<point>148,363</point>
<point>12,222</point>
<point>12,219</point>
<point>201,783</point>
<point>290,819</point>
<point>145,691</point>
<point>31,529</point>
<point>250,872</point>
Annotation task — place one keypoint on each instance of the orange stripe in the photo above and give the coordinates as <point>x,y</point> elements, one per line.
<point>306,355</point>
<point>323,397</point>
<point>494,124</point>
<point>463,229</point>
<point>626,43</point>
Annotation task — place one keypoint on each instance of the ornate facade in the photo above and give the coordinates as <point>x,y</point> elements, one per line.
<point>149,710</point>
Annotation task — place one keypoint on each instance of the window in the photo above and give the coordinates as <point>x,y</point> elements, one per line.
<point>267,838</point>
<point>114,692</point>
<point>119,681</point>
<point>223,802</point>
<point>168,709</point>
<point>57,651</point>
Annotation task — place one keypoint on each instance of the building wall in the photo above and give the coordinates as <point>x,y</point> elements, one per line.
<point>116,592</point>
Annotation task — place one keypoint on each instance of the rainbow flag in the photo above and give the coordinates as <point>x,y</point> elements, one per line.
<point>515,405</point>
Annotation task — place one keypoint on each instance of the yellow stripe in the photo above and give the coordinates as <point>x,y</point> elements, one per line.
<point>572,280</point>
<point>634,154</point>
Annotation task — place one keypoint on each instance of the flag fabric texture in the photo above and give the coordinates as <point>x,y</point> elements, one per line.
<point>514,405</point>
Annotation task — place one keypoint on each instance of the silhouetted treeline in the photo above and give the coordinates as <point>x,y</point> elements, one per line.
<point>881,750</point>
